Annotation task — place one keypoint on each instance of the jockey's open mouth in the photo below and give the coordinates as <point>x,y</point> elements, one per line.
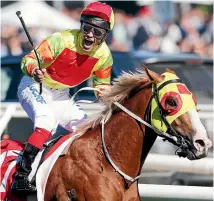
<point>88,43</point>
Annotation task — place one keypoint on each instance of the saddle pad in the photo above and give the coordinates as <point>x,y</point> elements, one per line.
<point>9,157</point>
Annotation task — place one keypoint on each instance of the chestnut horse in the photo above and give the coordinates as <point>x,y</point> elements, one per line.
<point>98,169</point>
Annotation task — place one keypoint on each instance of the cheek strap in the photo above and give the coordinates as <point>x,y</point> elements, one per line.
<point>156,97</point>
<point>103,39</point>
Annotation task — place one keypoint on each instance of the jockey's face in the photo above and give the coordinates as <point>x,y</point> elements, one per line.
<point>92,36</point>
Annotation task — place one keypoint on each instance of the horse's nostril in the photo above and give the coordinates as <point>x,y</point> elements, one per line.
<point>200,142</point>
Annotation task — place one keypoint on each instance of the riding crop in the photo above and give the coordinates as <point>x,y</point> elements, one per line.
<point>18,13</point>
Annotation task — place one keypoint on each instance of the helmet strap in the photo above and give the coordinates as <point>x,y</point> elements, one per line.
<point>103,39</point>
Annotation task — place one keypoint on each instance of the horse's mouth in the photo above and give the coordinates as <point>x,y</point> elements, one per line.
<point>193,154</point>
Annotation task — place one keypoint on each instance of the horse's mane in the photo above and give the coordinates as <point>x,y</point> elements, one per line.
<point>120,90</point>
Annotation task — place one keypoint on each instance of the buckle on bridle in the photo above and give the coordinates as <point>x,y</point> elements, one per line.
<point>181,153</point>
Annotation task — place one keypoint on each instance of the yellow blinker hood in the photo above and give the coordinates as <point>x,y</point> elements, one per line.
<point>187,102</point>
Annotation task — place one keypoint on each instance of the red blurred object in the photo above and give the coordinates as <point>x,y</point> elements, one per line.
<point>145,10</point>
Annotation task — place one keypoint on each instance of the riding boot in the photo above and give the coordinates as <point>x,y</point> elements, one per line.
<point>21,183</point>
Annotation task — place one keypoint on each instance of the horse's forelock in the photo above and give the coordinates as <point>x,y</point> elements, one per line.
<point>120,90</point>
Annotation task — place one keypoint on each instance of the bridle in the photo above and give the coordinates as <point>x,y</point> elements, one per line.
<point>183,143</point>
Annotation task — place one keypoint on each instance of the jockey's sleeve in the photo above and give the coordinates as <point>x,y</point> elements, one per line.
<point>102,76</point>
<point>47,52</point>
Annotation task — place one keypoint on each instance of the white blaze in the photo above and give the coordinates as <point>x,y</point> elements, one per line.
<point>200,132</point>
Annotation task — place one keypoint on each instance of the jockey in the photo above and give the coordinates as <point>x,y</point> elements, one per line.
<point>67,59</point>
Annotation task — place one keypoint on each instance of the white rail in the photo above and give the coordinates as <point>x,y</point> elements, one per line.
<point>7,115</point>
<point>175,192</point>
<point>206,110</point>
<point>161,162</point>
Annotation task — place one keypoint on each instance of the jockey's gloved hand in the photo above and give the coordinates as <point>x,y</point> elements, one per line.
<point>38,74</point>
<point>104,89</point>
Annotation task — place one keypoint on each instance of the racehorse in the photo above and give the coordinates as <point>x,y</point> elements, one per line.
<point>105,161</point>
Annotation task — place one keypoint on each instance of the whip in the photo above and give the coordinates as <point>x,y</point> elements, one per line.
<point>18,13</point>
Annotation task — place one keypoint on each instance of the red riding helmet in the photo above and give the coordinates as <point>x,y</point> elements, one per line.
<point>99,14</point>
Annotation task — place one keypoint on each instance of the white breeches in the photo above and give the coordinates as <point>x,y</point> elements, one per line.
<point>51,108</point>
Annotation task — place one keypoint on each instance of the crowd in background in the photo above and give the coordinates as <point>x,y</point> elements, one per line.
<point>191,32</point>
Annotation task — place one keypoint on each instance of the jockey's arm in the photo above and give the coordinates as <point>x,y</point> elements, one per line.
<point>47,51</point>
<point>102,77</point>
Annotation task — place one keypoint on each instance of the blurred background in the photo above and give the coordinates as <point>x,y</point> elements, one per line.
<point>158,26</point>
<point>174,34</point>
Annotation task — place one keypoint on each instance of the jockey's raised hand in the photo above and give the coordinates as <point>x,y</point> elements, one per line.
<point>39,75</point>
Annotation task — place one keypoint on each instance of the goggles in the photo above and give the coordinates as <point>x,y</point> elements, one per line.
<point>98,32</point>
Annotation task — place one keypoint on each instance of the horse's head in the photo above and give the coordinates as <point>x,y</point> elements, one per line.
<point>173,110</point>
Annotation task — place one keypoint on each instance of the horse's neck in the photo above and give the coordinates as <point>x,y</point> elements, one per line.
<point>125,137</point>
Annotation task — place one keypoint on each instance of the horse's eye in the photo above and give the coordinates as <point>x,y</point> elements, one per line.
<point>171,102</point>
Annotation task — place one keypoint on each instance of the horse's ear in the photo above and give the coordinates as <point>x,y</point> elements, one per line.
<point>153,76</point>
<point>170,71</point>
